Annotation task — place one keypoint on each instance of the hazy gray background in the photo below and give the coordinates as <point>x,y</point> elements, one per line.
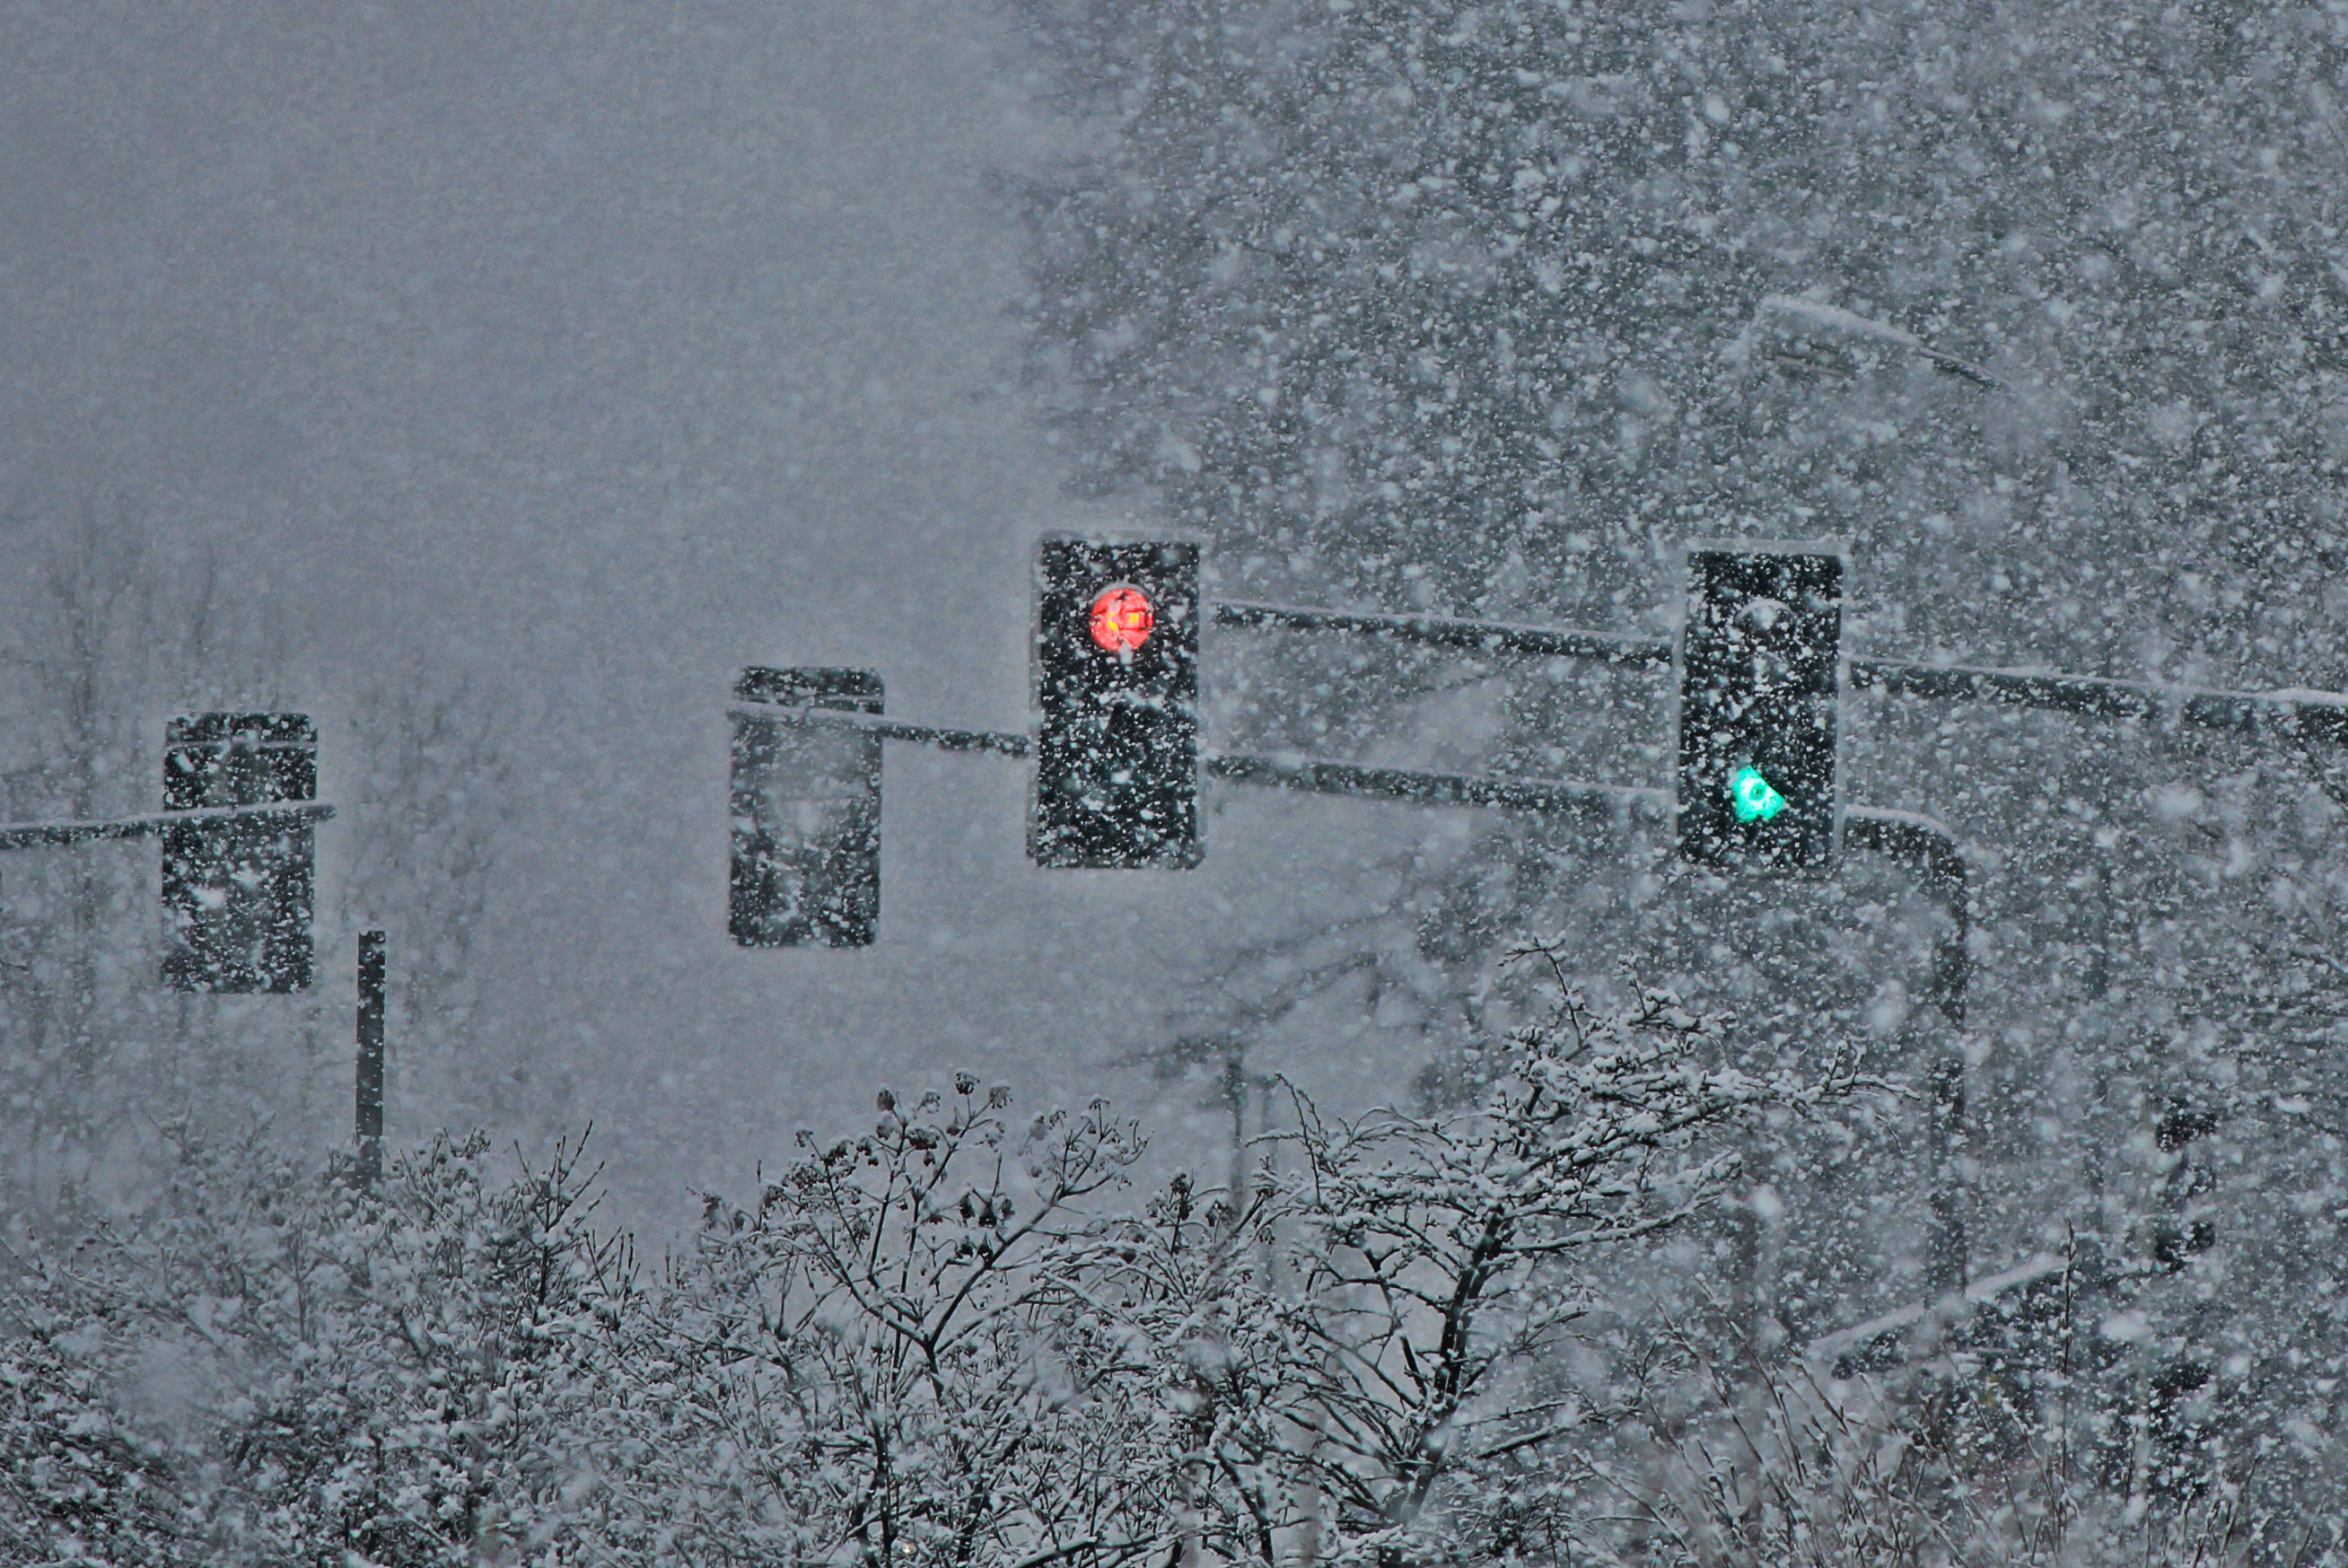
<point>586,354</point>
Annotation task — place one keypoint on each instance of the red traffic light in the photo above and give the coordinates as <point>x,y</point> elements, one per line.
<point>1122,620</point>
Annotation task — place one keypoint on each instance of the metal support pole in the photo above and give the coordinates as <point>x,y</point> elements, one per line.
<point>1927,848</point>
<point>2296,715</point>
<point>1305,775</point>
<point>370,1073</point>
<point>1301,774</point>
<point>888,729</point>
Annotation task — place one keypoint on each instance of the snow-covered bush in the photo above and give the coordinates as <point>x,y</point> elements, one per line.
<point>892,1355</point>
<point>1361,1343</point>
<point>1412,1338</point>
<point>274,1367</point>
<point>77,1483</point>
<point>1782,1463</point>
<point>940,1342</point>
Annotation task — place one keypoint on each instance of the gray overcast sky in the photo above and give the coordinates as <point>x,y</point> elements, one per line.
<point>597,350</point>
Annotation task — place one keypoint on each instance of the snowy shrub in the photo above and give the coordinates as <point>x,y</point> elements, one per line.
<point>270,1368</point>
<point>937,1343</point>
<point>1360,1345</point>
<point>893,1356</point>
<point>1780,1463</point>
<point>77,1483</point>
<point>1409,1339</point>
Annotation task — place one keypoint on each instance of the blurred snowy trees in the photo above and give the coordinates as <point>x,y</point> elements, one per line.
<point>113,625</point>
<point>1471,308</point>
<point>270,1368</point>
<point>1481,309</point>
<point>104,627</point>
<point>1407,1339</point>
<point>948,1341</point>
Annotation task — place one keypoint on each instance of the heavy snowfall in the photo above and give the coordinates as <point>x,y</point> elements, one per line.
<point>571,495</point>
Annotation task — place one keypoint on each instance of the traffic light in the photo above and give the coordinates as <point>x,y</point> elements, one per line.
<point>238,892</point>
<point>1116,661</point>
<point>1757,670</point>
<point>806,801</point>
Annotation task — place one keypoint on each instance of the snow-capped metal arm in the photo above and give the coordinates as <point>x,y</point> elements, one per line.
<point>37,835</point>
<point>1448,632</point>
<point>1498,791</point>
<point>1303,775</point>
<point>1009,745</point>
<point>2305,714</point>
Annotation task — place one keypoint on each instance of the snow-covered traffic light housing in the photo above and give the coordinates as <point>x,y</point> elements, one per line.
<point>1116,664</point>
<point>806,805</point>
<point>238,892</point>
<point>1758,657</point>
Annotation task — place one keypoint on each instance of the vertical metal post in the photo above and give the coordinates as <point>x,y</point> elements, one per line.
<point>1947,1268</point>
<point>370,1089</point>
<point>1927,848</point>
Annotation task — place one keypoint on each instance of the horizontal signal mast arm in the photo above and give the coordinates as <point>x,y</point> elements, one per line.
<point>1309,776</point>
<point>2311,715</point>
<point>34,835</point>
<point>1312,776</point>
<point>1444,632</point>
<point>2315,715</point>
<point>889,729</point>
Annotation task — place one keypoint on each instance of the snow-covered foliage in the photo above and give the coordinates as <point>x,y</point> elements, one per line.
<point>947,1341</point>
<point>1788,1464</point>
<point>79,1483</point>
<point>274,1367</point>
<point>930,1345</point>
<point>1361,1342</point>
<point>892,1355</point>
<point>1410,1338</point>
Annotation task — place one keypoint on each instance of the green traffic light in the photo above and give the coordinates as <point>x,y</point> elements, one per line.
<point>1754,798</point>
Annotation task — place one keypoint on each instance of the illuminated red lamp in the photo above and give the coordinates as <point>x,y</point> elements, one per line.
<point>1122,620</point>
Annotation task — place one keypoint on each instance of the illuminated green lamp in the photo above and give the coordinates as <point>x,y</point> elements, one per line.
<point>1754,798</point>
